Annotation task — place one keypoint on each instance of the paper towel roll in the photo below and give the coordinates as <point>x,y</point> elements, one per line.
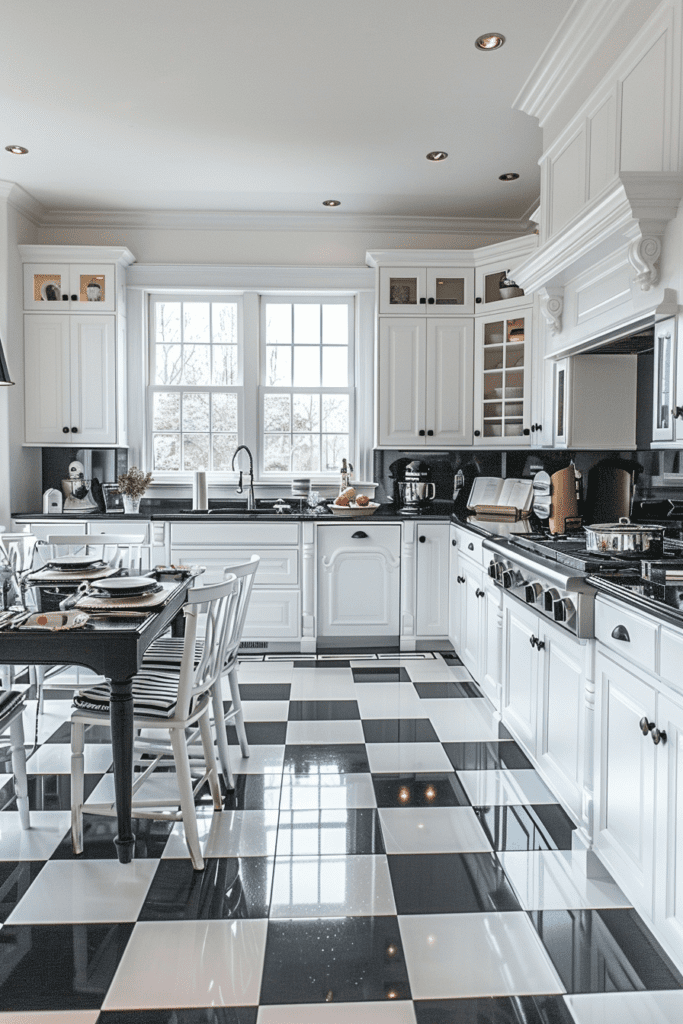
<point>200,500</point>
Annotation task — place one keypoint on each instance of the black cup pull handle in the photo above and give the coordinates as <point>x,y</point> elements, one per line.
<point>470,547</point>
<point>620,633</point>
<point>359,535</point>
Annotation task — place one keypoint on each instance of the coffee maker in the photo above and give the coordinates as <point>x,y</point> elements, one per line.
<point>416,490</point>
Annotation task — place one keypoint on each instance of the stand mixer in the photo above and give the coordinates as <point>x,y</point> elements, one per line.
<point>76,489</point>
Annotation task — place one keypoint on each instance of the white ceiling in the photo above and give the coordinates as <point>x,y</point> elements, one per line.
<point>272,105</point>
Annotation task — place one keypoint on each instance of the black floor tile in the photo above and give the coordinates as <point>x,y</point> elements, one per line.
<point>323,710</point>
<point>451,658</point>
<point>15,878</point>
<point>452,688</point>
<point>604,951</point>
<point>53,792</point>
<point>334,960</point>
<point>342,758</point>
<point>228,887</point>
<point>264,691</point>
<point>419,790</point>
<point>59,966</point>
<point>399,730</point>
<point>196,1015</point>
<point>93,734</point>
<point>252,793</point>
<point>351,651</point>
<point>531,827</point>
<point>474,756</point>
<point>261,733</point>
<point>380,674</point>
<point>99,832</point>
<point>320,833</point>
<point>520,1010</point>
<point>450,883</point>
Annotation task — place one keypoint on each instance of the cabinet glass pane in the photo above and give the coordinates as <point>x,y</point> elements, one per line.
<point>47,287</point>
<point>492,292</point>
<point>503,385</point>
<point>449,291</point>
<point>92,288</point>
<point>402,291</point>
<point>664,381</point>
<point>494,333</point>
<point>560,403</point>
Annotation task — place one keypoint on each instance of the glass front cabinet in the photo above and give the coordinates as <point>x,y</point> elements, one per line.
<point>667,406</point>
<point>431,290</point>
<point>501,380</point>
<point>494,288</point>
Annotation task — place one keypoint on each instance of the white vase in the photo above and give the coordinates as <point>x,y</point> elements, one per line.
<point>131,505</point>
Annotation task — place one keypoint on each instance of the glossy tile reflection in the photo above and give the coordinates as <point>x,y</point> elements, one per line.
<point>451,883</point>
<point>332,886</point>
<point>228,887</point>
<point>419,790</point>
<point>332,831</point>
<point>500,1010</point>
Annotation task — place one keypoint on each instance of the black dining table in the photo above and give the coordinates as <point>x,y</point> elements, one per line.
<point>112,648</point>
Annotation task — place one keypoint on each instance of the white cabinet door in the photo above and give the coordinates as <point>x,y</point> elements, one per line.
<point>454,592</point>
<point>402,290</point>
<point>401,385</point>
<point>521,666</point>
<point>432,579</point>
<point>490,678</point>
<point>502,377</point>
<point>624,779</point>
<point>70,287</point>
<point>450,291</point>
<point>561,731</point>
<point>668,911</point>
<point>93,379</point>
<point>359,580</point>
<point>664,419</point>
<point>450,365</point>
<point>47,379</point>
<point>472,594</point>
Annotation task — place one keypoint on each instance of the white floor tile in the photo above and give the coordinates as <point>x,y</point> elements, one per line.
<point>400,1012</point>
<point>50,1017</point>
<point>457,956</point>
<point>84,891</point>
<point>461,721</point>
<point>264,759</point>
<point>325,732</point>
<point>388,700</point>
<point>432,830</point>
<point>55,713</point>
<point>190,963</point>
<point>322,684</point>
<point>47,830</point>
<point>228,834</point>
<point>265,710</point>
<point>556,880</point>
<point>333,886</point>
<point>407,757</point>
<point>265,672</point>
<point>323,792</point>
<point>436,671</point>
<point>328,673</point>
<point>627,1007</point>
<point>55,759</point>
<point>505,786</point>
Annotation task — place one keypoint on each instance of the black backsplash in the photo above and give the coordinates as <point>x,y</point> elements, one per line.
<point>107,463</point>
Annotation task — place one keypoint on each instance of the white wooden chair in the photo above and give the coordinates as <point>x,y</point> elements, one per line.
<point>11,711</point>
<point>171,700</point>
<point>167,651</point>
<point>19,550</point>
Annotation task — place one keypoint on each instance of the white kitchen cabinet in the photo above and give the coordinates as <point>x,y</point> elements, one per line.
<point>432,579</point>
<point>490,677</point>
<point>502,376</point>
<point>440,291</point>
<point>667,404</point>
<point>70,380</point>
<point>583,414</point>
<point>472,610</point>
<point>424,395</point>
<point>520,673</point>
<point>70,287</point>
<point>358,580</point>
<point>454,588</point>
<point>487,280</point>
<point>668,888</point>
<point>625,779</point>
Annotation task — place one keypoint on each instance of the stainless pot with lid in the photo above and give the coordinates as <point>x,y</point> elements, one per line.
<point>624,539</point>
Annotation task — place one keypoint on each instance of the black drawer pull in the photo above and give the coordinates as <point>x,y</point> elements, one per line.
<point>422,539</point>
<point>620,633</point>
<point>454,543</point>
<point>359,535</point>
<point>470,547</point>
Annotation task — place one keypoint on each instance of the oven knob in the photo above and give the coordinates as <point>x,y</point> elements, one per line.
<point>563,610</point>
<point>493,570</point>
<point>549,598</point>
<point>510,578</point>
<point>532,592</point>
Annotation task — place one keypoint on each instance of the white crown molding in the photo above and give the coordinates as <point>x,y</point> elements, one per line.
<point>76,254</point>
<point>22,201</point>
<point>209,277</point>
<point>580,35</point>
<point>518,246</point>
<point>222,220</point>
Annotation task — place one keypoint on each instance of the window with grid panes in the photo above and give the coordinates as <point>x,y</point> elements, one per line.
<point>306,384</point>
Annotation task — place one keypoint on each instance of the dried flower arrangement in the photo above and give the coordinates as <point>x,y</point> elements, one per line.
<point>134,483</point>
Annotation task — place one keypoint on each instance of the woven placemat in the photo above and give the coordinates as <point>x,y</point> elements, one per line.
<point>141,601</point>
<point>47,575</point>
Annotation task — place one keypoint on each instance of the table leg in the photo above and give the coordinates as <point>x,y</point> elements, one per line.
<point>121,718</point>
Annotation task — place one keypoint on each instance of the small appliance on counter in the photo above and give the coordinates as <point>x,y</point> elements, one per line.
<point>416,490</point>
<point>77,491</point>
<point>52,502</point>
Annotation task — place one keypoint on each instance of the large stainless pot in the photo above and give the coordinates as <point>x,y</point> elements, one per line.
<point>625,539</point>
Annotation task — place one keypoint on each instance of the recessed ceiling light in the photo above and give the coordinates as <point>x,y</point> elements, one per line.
<point>489,41</point>
<point>332,202</point>
<point>436,155</point>
<point>17,150</point>
<point>510,176</point>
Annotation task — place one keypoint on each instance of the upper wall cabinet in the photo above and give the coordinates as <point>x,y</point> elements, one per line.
<point>74,288</point>
<point>493,286</point>
<point>434,290</point>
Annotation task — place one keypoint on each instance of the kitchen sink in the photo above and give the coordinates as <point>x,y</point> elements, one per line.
<point>233,512</point>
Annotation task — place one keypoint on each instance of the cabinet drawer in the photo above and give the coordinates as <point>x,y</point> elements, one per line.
<point>140,528</point>
<point>639,643</point>
<point>278,566</point>
<point>272,614</point>
<point>671,657</point>
<point>230,535</point>
<point>470,545</point>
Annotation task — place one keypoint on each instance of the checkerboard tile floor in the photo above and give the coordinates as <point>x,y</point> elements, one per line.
<point>389,856</point>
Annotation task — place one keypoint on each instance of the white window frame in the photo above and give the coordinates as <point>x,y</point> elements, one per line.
<point>321,476</point>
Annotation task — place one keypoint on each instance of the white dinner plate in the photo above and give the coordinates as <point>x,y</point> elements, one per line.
<point>125,586</point>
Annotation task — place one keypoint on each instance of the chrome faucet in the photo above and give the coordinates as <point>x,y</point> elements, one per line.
<point>251,503</point>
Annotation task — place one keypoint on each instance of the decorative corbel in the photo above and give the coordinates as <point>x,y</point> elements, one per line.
<point>643,254</point>
<point>552,304</point>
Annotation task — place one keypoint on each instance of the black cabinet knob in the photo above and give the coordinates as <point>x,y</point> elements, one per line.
<point>526,431</point>
<point>470,547</point>
<point>74,430</point>
<point>430,433</point>
<point>65,298</point>
<point>539,426</point>
<point>620,633</point>
<point>422,539</point>
<point>423,300</point>
<point>658,736</point>
<point>454,543</point>
<point>540,644</point>
<point>645,726</point>
<point>74,298</point>
<point>480,593</point>
<point>421,433</point>
<point>477,433</point>
<point>430,301</point>
<point>65,430</point>
<point>533,640</point>
<point>359,535</point>
<point>477,300</point>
